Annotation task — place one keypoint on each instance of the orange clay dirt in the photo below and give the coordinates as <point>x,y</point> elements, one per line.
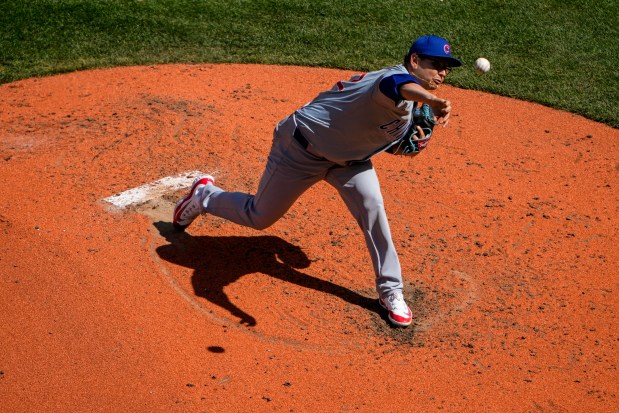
<point>506,228</point>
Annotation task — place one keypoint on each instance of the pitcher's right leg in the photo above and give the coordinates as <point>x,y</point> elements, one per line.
<point>289,172</point>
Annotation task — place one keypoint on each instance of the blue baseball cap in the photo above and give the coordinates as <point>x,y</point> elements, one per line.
<point>434,46</point>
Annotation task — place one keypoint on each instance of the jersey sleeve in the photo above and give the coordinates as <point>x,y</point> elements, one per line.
<point>390,85</point>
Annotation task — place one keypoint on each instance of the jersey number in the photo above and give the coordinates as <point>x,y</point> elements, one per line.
<point>356,78</point>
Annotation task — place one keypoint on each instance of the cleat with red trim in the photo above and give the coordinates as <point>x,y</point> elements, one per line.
<point>399,313</point>
<point>190,206</point>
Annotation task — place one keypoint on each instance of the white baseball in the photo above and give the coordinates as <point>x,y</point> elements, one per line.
<point>482,65</point>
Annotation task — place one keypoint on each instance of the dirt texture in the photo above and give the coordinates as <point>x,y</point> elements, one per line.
<point>506,227</point>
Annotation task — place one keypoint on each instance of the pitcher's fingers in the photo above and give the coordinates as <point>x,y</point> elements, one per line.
<point>443,120</point>
<point>421,135</point>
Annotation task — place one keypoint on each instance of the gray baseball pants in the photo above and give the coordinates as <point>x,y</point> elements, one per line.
<point>289,172</point>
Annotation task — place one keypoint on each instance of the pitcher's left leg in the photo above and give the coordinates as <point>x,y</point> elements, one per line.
<point>359,188</point>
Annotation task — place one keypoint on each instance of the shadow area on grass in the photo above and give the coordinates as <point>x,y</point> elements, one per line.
<point>220,261</point>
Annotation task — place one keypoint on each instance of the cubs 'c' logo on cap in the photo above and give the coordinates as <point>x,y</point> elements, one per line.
<point>447,48</point>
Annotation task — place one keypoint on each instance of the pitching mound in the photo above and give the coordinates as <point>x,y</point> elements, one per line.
<point>506,228</point>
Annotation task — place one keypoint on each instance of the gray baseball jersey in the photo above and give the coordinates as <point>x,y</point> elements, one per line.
<point>358,118</point>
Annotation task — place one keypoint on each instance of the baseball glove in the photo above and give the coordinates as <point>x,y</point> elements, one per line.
<point>410,143</point>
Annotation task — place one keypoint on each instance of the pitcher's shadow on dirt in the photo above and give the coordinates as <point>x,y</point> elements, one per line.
<point>220,261</point>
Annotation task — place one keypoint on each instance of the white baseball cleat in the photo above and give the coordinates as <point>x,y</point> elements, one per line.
<point>399,313</point>
<point>190,206</point>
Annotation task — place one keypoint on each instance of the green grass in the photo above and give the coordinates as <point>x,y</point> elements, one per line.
<point>559,53</point>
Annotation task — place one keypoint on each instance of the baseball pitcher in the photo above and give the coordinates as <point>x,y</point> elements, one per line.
<point>333,138</point>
